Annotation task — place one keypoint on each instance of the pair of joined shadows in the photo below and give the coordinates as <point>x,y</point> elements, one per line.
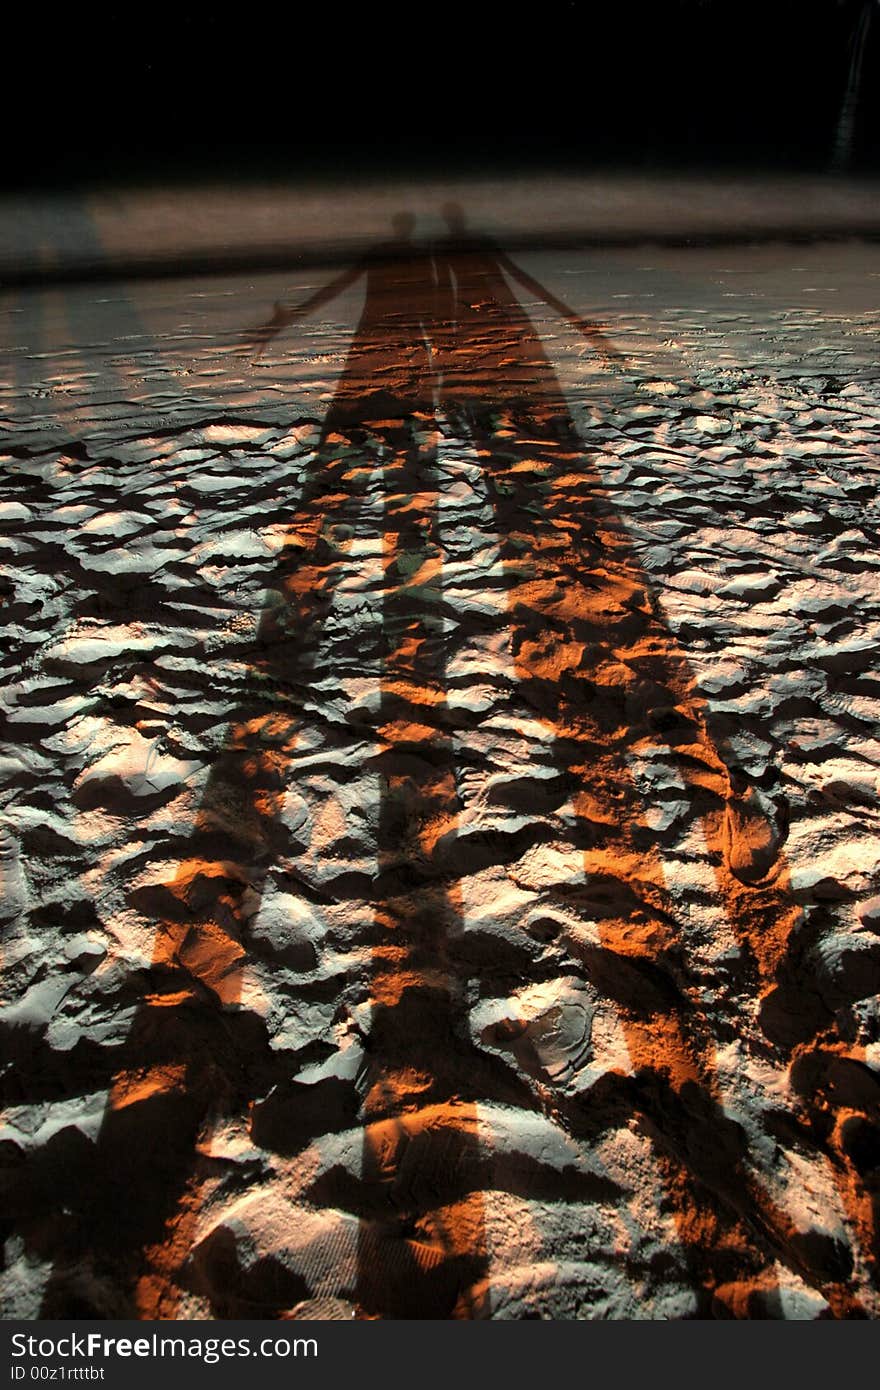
<point>442,337</point>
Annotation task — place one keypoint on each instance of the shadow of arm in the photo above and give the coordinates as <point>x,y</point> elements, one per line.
<point>590,331</point>
<point>257,338</point>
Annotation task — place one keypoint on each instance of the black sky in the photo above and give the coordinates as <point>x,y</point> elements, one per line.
<point>156,91</point>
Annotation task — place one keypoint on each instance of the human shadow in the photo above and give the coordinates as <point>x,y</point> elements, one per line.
<point>190,1057</point>
<point>597,663</point>
<point>598,666</point>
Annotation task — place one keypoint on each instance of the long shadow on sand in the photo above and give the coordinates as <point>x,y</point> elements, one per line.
<point>443,349</point>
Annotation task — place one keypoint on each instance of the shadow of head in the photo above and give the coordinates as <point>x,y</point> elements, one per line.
<point>403,225</point>
<point>453,215</point>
